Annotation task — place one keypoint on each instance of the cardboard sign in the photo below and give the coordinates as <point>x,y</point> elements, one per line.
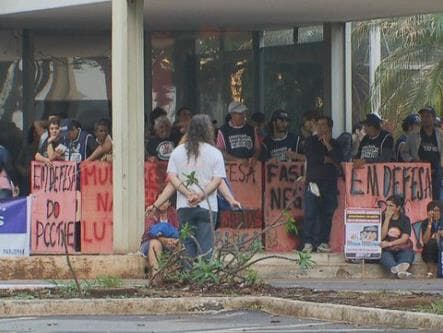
<point>96,207</point>
<point>14,227</point>
<point>337,235</point>
<point>370,186</point>
<point>238,236</point>
<point>283,190</point>
<point>246,183</point>
<point>363,233</point>
<point>53,206</point>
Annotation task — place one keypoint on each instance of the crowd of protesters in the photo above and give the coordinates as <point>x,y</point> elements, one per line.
<point>370,142</point>
<point>250,142</point>
<point>54,139</point>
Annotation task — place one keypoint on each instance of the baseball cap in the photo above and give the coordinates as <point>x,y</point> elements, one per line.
<point>279,114</point>
<point>429,109</point>
<point>372,119</point>
<point>412,119</point>
<point>237,107</point>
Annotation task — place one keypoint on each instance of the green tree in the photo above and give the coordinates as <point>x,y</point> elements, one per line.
<point>410,75</point>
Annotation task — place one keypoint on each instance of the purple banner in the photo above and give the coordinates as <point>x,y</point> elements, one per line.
<point>13,216</point>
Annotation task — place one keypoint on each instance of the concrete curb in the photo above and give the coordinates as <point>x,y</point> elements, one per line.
<point>273,305</point>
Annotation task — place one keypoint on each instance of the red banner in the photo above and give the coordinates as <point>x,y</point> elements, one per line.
<point>53,206</point>
<point>155,180</point>
<point>96,201</point>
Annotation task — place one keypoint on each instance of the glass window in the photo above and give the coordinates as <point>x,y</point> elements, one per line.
<point>293,78</point>
<point>73,76</point>
<point>277,37</point>
<point>11,78</point>
<point>225,71</point>
<point>311,34</point>
<point>163,72</point>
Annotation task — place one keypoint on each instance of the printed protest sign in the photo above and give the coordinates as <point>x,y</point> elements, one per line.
<point>96,207</point>
<point>283,191</point>
<point>53,206</point>
<point>14,227</point>
<point>363,233</point>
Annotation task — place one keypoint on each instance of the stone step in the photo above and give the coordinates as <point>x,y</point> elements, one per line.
<point>327,266</point>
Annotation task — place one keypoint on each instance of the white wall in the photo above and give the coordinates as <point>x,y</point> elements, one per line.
<point>18,6</point>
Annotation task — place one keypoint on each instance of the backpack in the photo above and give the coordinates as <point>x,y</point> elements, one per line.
<point>162,229</point>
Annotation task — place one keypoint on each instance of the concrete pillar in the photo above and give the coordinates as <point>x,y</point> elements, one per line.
<point>127,128</point>
<point>374,62</point>
<point>341,76</point>
<point>348,77</point>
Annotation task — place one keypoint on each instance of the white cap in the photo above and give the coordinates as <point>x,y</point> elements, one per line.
<point>236,107</point>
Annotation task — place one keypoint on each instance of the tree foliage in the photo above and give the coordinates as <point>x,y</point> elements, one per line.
<point>410,75</point>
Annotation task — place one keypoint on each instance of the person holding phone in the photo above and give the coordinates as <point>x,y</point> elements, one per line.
<point>397,248</point>
<point>429,235</point>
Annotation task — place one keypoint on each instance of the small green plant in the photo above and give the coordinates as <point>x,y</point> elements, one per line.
<point>24,296</point>
<point>291,223</point>
<point>185,231</point>
<point>436,307</point>
<point>204,271</point>
<point>305,261</point>
<point>106,281</point>
<point>252,278</point>
<point>191,179</point>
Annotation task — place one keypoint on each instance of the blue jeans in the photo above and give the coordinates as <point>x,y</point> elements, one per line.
<point>319,212</point>
<point>390,259</point>
<point>198,220</point>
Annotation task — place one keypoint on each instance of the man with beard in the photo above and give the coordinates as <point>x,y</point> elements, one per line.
<point>280,145</point>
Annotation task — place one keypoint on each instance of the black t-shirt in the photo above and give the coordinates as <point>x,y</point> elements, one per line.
<point>398,227</point>
<point>376,149</point>
<point>161,148</point>
<point>428,150</point>
<point>435,226</point>
<point>401,140</point>
<point>239,142</point>
<point>317,169</point>
<point>278,148</point>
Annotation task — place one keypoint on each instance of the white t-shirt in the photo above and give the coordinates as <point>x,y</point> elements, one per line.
<point>209,164</point>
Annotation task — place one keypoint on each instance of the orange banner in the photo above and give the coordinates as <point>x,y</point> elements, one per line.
<point>283,190</point>
<point>371,185</point>
<point>53,206</point>
<point>246,184</point>
<point>96,205</point>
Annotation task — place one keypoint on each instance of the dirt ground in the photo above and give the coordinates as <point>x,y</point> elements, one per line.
<point>384,300</point>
